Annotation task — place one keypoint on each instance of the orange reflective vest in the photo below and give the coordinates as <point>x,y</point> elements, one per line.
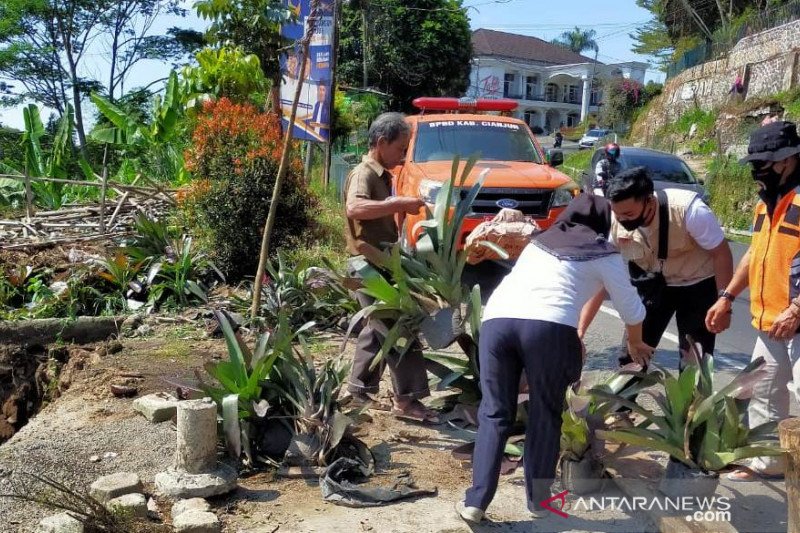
<point>775,259</point>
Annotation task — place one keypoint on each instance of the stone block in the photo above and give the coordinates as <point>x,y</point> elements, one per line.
<point>109,487</point>
<point>158,407</point>
<point>133,505</point>
<point>192,504</point>
<point>178,484</point>
<point>197,522</point>
<point>60,523</point>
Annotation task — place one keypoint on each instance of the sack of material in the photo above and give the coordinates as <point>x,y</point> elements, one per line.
<point>509,229</point>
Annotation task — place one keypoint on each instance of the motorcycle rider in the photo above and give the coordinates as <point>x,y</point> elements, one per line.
<point>607,168</point>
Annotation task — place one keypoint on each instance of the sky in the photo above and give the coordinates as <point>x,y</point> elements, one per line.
<point>539,18</point>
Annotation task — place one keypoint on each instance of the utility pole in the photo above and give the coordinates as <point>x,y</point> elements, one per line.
<point>364,46</point>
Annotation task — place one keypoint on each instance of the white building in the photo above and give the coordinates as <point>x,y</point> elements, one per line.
<point>554,86</point>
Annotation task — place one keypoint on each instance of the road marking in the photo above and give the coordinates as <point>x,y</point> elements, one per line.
<point>671,337</point>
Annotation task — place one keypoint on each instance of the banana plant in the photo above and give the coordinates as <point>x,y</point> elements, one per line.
<point>37,165</point>
<point>702,428</point>
<point>154,138</point>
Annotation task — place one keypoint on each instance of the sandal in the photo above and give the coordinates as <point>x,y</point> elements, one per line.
<point>743,474</point>
<point>365,402</point>
<point>417,412</point>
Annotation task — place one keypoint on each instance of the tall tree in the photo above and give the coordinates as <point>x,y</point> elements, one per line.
<point>412,47</point>
<point>680,24</point>
<point>44,45</point>
<point>253,25</point>
<point>578,40</point>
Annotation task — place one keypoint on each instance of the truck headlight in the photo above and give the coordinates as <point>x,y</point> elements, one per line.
<point>561,197</point>
<point>429,190</point>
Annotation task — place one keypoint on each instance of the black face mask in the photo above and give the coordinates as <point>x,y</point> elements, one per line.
<point>767,177</point>
<point>634,223</point>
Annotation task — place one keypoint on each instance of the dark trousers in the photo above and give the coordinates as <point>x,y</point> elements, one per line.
<point>689,306</point>
<point>550,355</point>
<point>409,376</point>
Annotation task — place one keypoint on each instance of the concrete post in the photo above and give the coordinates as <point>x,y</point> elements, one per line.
<point>587,95</point>
<point>196,472</point>
<point>197,436</point>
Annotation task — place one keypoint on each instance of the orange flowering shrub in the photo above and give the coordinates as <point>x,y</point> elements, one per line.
<point>234,158</point>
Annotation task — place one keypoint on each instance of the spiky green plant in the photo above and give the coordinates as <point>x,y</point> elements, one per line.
<point>698,426</point>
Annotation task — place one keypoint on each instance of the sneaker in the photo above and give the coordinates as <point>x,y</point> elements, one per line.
<point>472,515</point>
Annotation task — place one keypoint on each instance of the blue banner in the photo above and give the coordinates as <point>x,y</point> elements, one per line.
<point>313,118</point>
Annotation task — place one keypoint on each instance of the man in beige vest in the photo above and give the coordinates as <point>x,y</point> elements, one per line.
<point>698,266</point>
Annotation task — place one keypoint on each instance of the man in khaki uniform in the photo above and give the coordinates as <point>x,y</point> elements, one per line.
<point>371,209</point>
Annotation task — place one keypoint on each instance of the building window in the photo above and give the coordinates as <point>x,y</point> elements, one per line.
<point>551,93</point>
<point>508,85</point>
<point>531,87</point>
<point>574,96</point>
<point>573,120</point>
<point>531,118</point>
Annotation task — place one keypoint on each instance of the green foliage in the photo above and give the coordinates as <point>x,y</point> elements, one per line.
<point>578,40</point>
<point>304,294</point>
<point>153,148</point>
<point>39,164</point>
<point>622,98</point>
<point>576,163</point>
<point>44,45</point>
<point>235,155</point>
<point>697,425</point>
<point>422,292</point>
<point>253,25</point>
<point>226,71</point>
<point>703,142</point>
<point>419,48</point>
<point>733,192</point>
<point>586,413</point>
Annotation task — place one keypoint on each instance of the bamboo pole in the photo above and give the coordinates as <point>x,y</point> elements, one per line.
<point>789,431</point>
<point>122,201</point>
<point>28,198</point>
<point>103,190</point>
<point>313,18</point>
<point>113,184</point>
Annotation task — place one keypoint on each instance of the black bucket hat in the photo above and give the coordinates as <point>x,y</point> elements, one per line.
<point>774,142</point>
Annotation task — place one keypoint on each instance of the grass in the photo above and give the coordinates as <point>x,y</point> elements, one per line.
<point>576,163</point>
<point>173,349</point>
<point>702,143</point>
<point>733,192</point>
<point>326,239</point>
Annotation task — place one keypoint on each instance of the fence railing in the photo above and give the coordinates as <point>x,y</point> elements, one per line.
<point>724,41</point>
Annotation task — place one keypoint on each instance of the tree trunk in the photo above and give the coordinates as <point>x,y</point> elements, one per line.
<point>789,431</point>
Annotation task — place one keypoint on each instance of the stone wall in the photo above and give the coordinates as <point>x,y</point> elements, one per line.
<point>767,62</point>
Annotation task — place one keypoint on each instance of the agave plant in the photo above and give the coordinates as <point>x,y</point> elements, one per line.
<point>239,393</point>
<point>702,428</point>
<point>424,292</point>
<point>586,413</point>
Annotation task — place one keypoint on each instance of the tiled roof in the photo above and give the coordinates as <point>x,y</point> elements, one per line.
<point>522,47</point>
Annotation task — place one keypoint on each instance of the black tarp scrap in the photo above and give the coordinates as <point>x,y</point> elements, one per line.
<point>342,484</point>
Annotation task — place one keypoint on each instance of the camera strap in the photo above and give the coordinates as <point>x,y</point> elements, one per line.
<point>663,227</point>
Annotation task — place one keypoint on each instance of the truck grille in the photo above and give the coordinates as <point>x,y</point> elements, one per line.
<point>532,202</point>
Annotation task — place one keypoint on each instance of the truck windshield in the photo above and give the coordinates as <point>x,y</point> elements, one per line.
<point>491,140</point>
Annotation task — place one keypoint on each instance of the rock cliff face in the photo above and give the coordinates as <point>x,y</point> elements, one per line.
<point>766,61</point>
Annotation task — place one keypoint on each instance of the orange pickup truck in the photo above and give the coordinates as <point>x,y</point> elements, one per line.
<point>522,175</point>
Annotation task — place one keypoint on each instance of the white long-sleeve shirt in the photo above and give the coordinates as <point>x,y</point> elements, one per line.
<point>544,287</point>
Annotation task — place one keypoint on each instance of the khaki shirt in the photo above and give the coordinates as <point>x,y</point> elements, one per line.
<point>369,181</point>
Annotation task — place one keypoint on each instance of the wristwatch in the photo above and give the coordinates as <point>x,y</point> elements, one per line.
<point>728,296</point>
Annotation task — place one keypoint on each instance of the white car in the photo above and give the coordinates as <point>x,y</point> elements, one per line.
<point>591,137</point>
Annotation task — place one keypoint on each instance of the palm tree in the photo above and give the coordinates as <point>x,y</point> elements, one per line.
<point>578,40</point>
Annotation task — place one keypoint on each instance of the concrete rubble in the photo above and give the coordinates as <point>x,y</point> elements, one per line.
<point>197,522</point>
<point>156,408</point>
<point>60,523</point>
<point>107,488</point>
<point>134,505</point>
